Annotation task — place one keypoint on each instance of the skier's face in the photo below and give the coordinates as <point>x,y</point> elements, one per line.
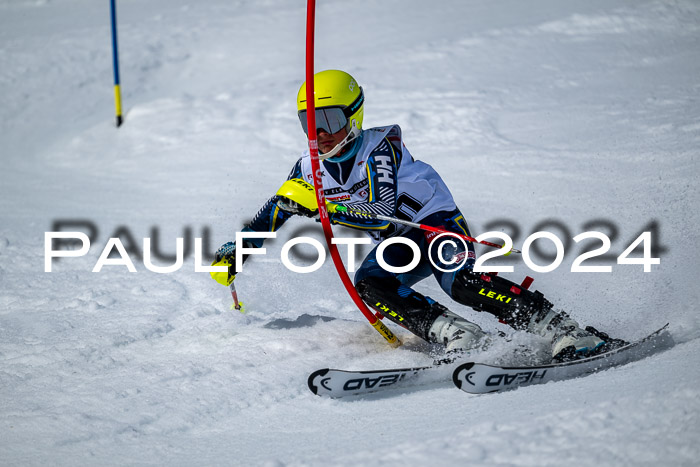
<point>327,141</point>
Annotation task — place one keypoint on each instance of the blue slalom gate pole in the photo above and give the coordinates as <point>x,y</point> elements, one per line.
<point>115,60</point>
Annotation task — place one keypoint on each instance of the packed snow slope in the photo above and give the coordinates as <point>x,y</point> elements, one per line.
<point>585,115</point>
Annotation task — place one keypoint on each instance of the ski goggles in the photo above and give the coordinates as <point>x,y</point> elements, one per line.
<point>329,119</point>
<point>332,119</point>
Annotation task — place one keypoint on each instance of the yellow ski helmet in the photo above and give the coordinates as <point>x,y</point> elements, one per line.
<point>339,103</point>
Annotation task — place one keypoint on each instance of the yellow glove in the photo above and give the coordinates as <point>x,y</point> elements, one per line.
<point>298,197</point>
<point>224,278</point>
<point>225,256</point>
<point>332,208</point>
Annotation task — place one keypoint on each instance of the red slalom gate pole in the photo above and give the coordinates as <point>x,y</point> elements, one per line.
<point>318,183</point>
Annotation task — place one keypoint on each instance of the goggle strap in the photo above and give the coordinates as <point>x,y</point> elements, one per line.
<point>356,104</point>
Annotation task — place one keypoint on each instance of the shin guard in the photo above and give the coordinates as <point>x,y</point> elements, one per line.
<point>401,304</point>
<point>510,303</point>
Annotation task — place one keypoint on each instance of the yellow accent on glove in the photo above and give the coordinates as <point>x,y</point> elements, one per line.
<point>223,278</point>
<point>333,208</point>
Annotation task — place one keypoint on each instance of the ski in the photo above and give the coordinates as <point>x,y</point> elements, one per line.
<point>480,378</point>
<point>340,383</point>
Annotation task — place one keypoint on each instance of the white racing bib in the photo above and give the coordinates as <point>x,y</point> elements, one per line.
<point>420,191</point>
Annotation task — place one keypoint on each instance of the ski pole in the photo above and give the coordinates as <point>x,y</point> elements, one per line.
<point>395,220</point>
<point>236,304</point>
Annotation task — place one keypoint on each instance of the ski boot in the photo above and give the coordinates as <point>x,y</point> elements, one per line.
<point>611,343</point>
<point>421,315</point>
<point>569,341</point>
<point>456,333</point>
<point>524,310</point>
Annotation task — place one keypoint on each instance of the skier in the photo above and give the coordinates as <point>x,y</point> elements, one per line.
<point>372,171</point>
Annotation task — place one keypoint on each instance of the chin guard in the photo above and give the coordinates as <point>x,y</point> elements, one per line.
<point>334,154</point>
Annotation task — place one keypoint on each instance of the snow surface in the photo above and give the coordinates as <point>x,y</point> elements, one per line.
<point>547,109</point>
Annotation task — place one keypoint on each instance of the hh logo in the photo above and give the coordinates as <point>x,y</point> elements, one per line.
<point>384,169</point>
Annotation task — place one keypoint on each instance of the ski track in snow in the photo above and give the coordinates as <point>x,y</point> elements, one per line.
<point>530,111</point>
